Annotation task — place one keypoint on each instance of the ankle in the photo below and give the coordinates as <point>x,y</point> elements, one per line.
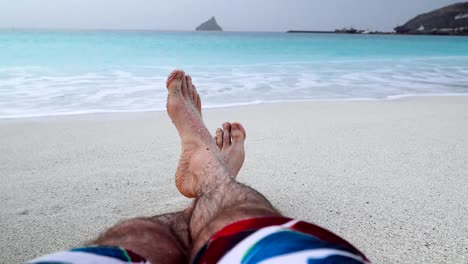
<point>217,184</point>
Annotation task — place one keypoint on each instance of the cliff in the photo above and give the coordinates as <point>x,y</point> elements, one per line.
<point>449,20</point>
<point>210,25</point>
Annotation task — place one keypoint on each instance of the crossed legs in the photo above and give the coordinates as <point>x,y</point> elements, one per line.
<point>206,171</point>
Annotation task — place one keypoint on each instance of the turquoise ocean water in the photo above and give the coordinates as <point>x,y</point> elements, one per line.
<point>68,72</point>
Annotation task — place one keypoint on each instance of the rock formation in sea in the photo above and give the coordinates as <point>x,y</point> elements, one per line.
<point>210,25</point>
<point>449,20</point>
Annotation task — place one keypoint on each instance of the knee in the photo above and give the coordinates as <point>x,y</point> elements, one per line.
<point>133,229</point>
<point>230,216</point>
<point>250,210</point>
<point>146,238</point>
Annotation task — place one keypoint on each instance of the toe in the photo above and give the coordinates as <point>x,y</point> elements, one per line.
<point>174,81</point>
<point>190,90</point>
<point>226,134</point>
<point>198,103</point>
<point>184,87</point>
<point>171,77</point>
<point>219,138</point>
<point>237,133</point>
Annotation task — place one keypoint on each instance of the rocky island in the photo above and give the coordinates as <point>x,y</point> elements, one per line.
<point>210,25</point>
<point>449,20</point>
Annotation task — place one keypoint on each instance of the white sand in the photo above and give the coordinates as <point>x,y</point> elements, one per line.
<point>389,176</point>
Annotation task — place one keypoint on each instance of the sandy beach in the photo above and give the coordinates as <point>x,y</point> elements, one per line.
<point>391,177</point>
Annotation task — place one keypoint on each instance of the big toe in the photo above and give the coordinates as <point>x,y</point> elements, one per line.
<point>237,133</point>
<point>174,81</point>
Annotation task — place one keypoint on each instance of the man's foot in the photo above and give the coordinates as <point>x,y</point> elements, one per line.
<point>201,166</point>
<point>230,140</point>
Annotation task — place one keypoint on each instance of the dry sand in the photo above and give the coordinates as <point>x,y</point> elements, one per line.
<point>389,176</point>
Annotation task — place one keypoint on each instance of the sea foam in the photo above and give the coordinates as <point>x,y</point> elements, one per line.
<point>240,69</point>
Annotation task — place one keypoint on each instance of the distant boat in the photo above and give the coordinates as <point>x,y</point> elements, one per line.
<point>349,31</point>
<point>461,16</point>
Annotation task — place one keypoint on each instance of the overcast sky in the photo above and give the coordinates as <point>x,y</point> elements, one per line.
<point>232,15</point>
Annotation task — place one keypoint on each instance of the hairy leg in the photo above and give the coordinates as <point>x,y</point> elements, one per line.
<point>159,239</point>
<point>202,172</point>
<point>166,238</point>
<point>228,203</point>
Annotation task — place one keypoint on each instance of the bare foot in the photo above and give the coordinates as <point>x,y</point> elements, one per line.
<point>201,165</point>
<point>230,140</point>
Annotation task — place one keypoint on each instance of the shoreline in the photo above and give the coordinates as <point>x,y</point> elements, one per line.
<point>234,105</point>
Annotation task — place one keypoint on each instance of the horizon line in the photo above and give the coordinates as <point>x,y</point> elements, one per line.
<point>131,29</point>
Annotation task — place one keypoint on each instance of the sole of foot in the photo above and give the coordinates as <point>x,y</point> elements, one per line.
<point>201,166</point>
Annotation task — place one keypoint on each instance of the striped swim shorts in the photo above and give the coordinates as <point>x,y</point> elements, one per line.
<point>265,240</point>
